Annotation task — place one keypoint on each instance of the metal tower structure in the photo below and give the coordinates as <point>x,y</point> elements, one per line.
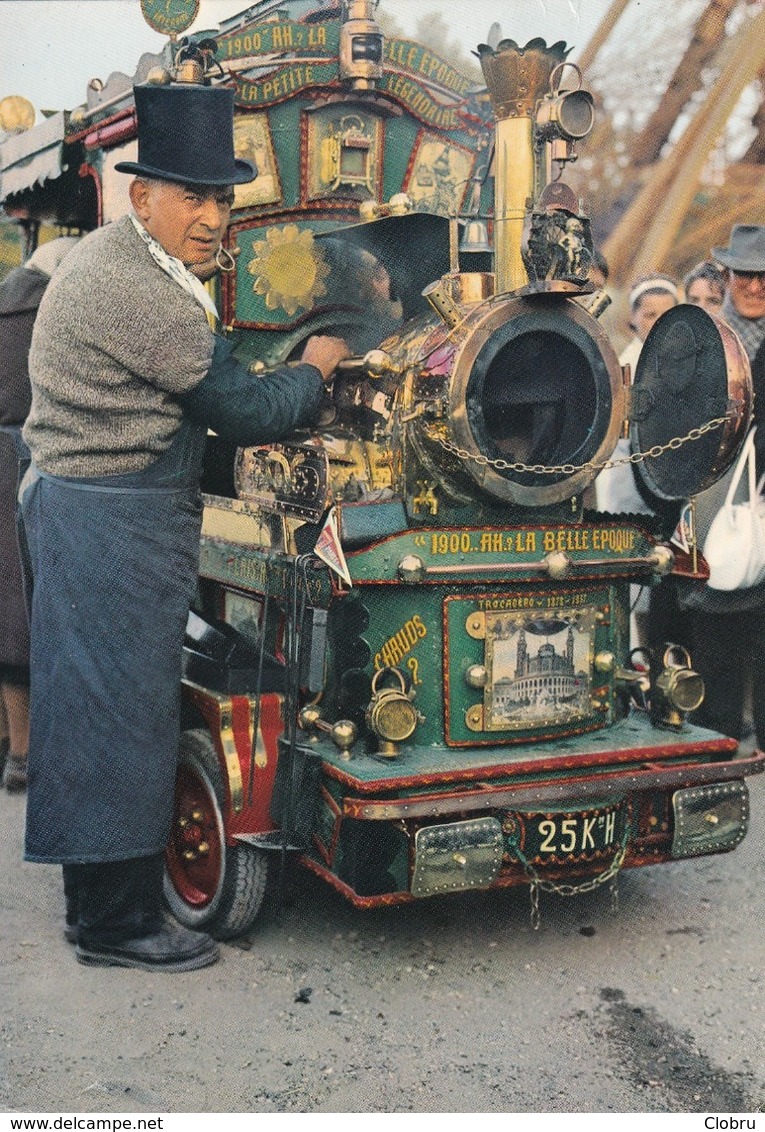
<point>679,152</point>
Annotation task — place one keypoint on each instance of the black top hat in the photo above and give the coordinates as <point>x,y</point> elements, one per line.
<point>186,134</point>
<point>746,250</point>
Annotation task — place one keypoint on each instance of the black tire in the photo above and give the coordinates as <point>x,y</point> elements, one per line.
<point>208,885</point>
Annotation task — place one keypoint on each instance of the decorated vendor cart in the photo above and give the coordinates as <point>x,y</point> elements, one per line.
<point>408,665</point>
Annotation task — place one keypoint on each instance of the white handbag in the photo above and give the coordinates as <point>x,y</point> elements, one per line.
<point>735,545</point>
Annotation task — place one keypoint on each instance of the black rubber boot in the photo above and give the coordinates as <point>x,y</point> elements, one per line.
<point>72,901</point>
<point>121,922</point>
<point>170,948</point>
<point>15,773</point>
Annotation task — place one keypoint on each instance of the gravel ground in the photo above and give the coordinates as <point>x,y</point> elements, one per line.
<point>448,1005</point>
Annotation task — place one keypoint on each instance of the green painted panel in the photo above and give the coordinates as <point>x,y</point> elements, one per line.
<point>261,572</point>
<point>406,632</point>
<point>634,732</point>
<point>520,663</point>
<point>478,548</point>
<point>296,275</point>
<point>399,141</point>
<point>284,123</point>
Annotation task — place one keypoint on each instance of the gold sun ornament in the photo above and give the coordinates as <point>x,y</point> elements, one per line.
<point>289,269</point>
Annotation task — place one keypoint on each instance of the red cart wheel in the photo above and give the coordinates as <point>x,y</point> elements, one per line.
<point>209,886</point>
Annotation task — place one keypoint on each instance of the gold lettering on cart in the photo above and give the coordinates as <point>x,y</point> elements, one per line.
<point>402,642</point>
<point>278,36</point>
<point>613,540</point>
<point>617,539</point>
<point>420,61</point>
<point>420,103</point>
<point>282,83</point>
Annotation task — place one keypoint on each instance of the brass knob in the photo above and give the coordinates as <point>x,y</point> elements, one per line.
<point>400,203</point>
<point>476,676</point>
<point>159,76</point>
<point>308,717</point>
<point>411,568</point>
<point>557,564</point>
<point>474,717</point>
<point>379,362</point>
<point>662,559</point>
<point>344,734</point>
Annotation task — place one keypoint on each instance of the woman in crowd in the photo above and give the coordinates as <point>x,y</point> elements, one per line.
<point>704,287</point>
<point>20,295</point>
<point>649,298</point>
<point>617,490</point>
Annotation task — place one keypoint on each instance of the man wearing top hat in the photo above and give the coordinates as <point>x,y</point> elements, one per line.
<point>728,627</point>
<point>127,377</point>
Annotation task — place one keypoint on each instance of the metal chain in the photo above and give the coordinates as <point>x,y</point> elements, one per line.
<point>536,915</point>
<point>538,883</point>
<point>569,469</point>
<point>576,889</point>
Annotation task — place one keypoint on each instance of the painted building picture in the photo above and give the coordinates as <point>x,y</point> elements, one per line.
<point>539,671</point>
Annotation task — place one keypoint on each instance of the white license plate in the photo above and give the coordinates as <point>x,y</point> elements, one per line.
<point>557,836</point>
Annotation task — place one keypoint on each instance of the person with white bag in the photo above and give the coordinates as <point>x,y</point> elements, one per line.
<point>734,546</point>
<point>618,490</point>
<point>727,615</point>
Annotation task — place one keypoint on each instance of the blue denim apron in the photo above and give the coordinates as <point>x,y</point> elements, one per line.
<point>115,567</point>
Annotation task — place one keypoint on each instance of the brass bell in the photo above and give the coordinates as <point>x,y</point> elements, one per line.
<point>190,71</point>
<point>475,237</point>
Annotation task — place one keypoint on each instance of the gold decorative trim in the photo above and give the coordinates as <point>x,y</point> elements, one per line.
<point>289,269</point>
<point>231,754</point>
<point>227,740</point>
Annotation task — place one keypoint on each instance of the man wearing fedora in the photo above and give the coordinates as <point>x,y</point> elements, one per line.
<point>728,627</point>
<point>127,377</point>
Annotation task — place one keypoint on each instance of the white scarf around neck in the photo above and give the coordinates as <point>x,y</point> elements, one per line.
<point>177,271</point>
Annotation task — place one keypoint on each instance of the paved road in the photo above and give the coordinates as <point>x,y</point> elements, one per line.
<point>448,1005</point>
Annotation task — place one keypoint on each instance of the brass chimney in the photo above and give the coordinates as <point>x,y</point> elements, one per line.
<point>517,78</point>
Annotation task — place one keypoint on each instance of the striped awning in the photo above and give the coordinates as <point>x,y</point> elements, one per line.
<point>33,157</point>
